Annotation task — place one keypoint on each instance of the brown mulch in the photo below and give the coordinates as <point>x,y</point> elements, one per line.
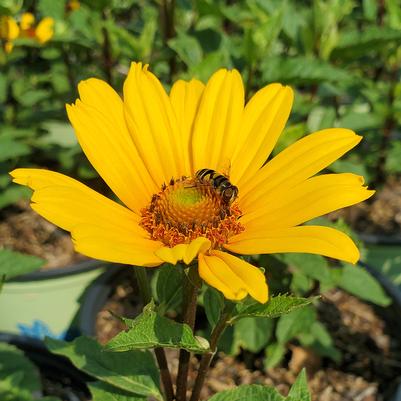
<point>369,371</point>
<point>23,230</point>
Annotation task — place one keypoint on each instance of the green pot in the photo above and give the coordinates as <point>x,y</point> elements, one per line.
<point>47,303</point>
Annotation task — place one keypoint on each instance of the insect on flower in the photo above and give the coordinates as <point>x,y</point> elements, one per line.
<point>161,154</point>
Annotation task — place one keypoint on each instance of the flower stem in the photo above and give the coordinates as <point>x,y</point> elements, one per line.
<point>144,288</point>
<point>189,314</point>
<point>207,357</point>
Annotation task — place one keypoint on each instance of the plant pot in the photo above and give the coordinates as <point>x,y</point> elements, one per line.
<point>96,297</point>
<point>47,302</point>
<point>58,376</point>
<point>384,254</point>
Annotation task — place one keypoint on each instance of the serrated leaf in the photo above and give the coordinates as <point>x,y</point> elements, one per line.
<point>150,330</point>
<point>275,307</point>
<point>294,323</point>
<point>299,390</point>
<point>14,264</point>
<point>254,392</point>
<point>104,392</point>
<point>360,283</point>
<point>133,371</point>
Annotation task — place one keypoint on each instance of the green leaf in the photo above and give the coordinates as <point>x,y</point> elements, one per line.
<point>299,390</point>
<point>133,371</point>
<point>169,287</point>
<point>13,194</point>
<point>150,330</point>
<point>19,377</point>
<point>274,354</point>
<point>302,70</point>
<point>294,323</point>
<point>360,283</point>
<point>188,49</point>
<point>213,302</point>
<point>52,8</point>
<point>104,392</point>
<point>59,133</point>
<point>321,117</point>
<point>313,266</point>
<point>275,307</point>
<point>253,333</point>
<point>319,339</point>
<point>14,263</point>
<point>357,43</point>
<point>251,392</point>
<point>11,149</point>
<point>11,388</point>
<point>290,135</point>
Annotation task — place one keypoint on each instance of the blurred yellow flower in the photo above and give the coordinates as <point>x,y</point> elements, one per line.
<point>73,5</point>
<point>8,32</point>
<point>9,29</point>
<point>149,148</point>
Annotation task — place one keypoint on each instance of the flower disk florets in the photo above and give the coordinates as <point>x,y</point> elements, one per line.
<point>186,209</point>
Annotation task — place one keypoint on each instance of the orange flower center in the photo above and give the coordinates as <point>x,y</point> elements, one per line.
<point>186,209</point>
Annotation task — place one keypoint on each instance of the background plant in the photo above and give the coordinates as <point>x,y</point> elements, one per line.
<point>342,57</point>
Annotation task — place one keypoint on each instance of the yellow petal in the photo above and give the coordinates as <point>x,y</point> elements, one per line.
<point>305,239</point>
<point>312,198</point>
<point>252,277</point>
<point>217,274</point>
<point>45,30</point>
<point>263,120</point>
<point>185,98</point>
<point>217,122</point>
<point>8,29</point>
<point>8,47</point>
<point>92,218</point>
<point>185,252</point>
<point>153,125</point>
<point>115,247</point>
<point>298,162</point>
<point>99,123</point>
<point>27,20</point>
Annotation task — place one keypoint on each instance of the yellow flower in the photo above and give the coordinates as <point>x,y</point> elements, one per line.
<point>45,30</point>
<point>9,31</point>
<point>148,148</point>
<point>42,32</point>
<point>73,5</point>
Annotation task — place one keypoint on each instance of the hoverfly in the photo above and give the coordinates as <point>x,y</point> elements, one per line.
<point>220,183</point>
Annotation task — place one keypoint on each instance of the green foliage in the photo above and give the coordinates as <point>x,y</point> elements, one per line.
<point>359,282</point>
<point>213,302</point>
<point>275,307</point>
<point>14,264</point>
<point>134,372</point>
<point>19,377</point>
<point>298,392</point>
<point>150,330</point>
<point>104,392</point>
<point>168,288</point>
